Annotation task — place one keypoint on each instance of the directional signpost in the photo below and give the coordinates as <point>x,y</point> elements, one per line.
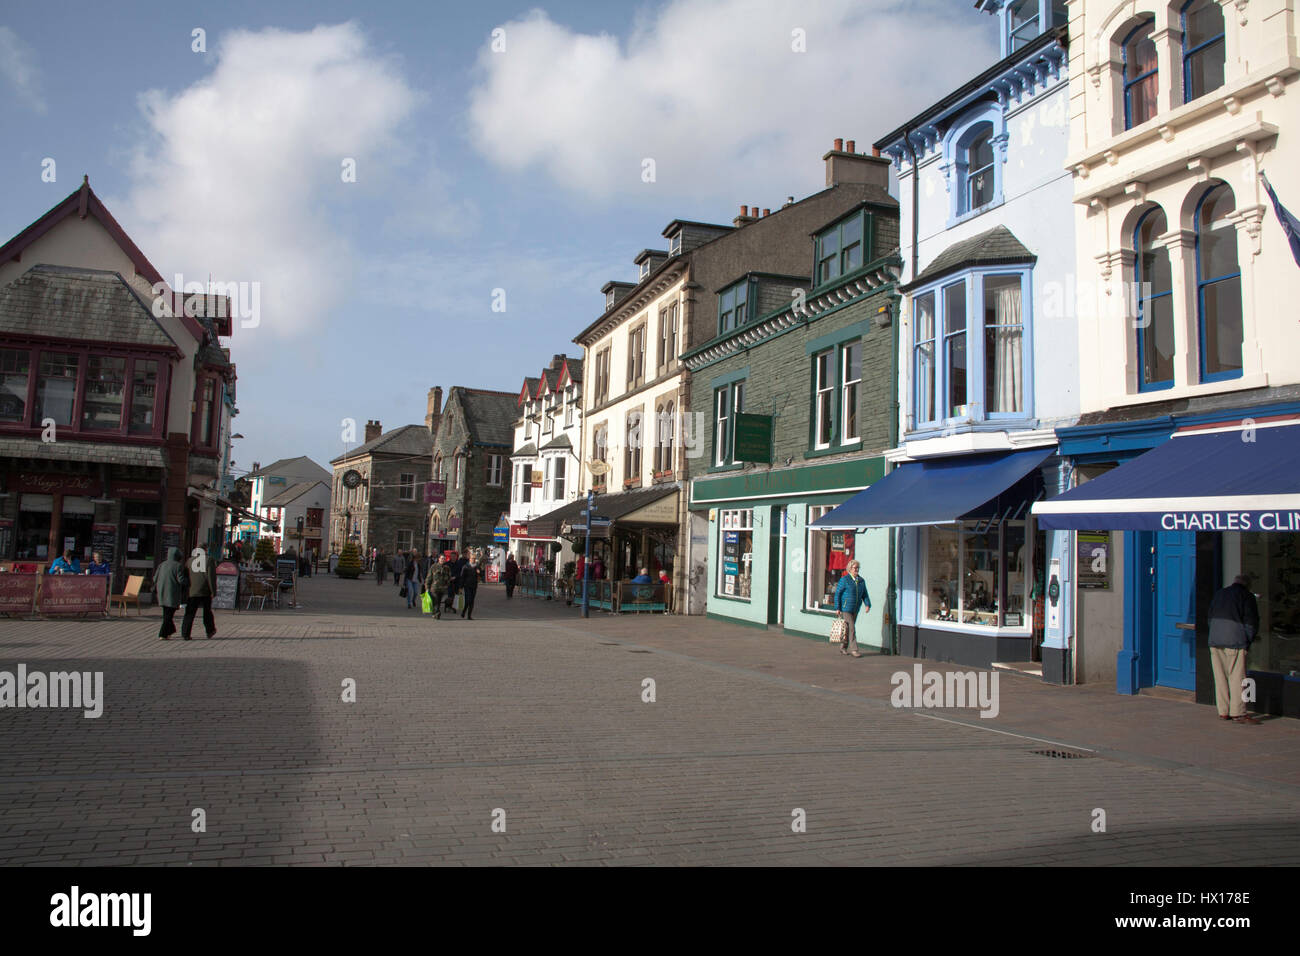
<point>590,522</point>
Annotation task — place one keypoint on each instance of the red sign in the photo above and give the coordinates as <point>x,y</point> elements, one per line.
<point>35,482</point>
<point>18,593</point>
<point>73,594</point>
<point>519,531</point>
<point>150,490</point>
<point>435,492</point>
<point>492,574</point>
<point>227,567</point>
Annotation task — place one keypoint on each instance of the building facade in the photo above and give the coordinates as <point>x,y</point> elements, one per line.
<point>307,502</point>
<point>117,398</point>
<point>1181,115</point>
<point>376,498</point>
<point>470,469</point>
<point>265,483</point>
<point>799,396</point>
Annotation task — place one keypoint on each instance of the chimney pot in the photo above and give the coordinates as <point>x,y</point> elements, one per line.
<point>851,146</point>
<point>875,152</point>
<point>744,210</point>
<point>839,145</point>
<point>767,212</point>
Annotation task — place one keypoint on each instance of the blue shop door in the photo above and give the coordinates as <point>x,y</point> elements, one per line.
<point>1175,631</point>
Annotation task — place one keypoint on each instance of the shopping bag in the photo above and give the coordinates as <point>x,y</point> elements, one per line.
<point>426,602</point>
<point>839,631</point>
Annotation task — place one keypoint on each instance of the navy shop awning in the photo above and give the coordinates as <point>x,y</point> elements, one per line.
<point>1243,477</point>
<point>938,491</point>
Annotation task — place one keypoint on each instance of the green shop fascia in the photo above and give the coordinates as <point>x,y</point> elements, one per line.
<point>767,569</point>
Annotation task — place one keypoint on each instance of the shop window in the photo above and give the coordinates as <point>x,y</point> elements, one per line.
<point>977,573</point>
<point>1218,286</point>
<point>829,554</point>
<point>735,553</point>
<point>1272,559</point>
<point>56,387</point>
<point>35,520</point>
<point>75,528</point>
<point>1204,49</point>
<point>1155,303</point>
<point>1141,79</point>
<point>15,370</point>
<point>101,407</point>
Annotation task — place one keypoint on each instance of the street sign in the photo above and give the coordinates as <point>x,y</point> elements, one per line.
<point>753,441</point>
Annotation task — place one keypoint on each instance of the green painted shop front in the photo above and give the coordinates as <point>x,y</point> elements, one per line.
<point>766,569</point>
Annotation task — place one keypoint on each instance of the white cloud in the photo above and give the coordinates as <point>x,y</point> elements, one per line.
<point>18,66</point>
<point>241,174</point>
<point>714,93</point>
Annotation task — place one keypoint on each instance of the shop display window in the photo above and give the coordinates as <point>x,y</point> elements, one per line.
<point>977,573</point>
<point>829,554</point>
<point>1272,559</point>
<point>35,514</point>
<point>735,553</point>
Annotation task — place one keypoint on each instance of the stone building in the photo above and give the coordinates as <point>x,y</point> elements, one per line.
<point>377,498</point>
<point>471,468</point>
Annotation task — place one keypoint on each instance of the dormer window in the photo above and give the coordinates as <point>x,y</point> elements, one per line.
<point>609,300</point>
<point>733,306</point>
<point>1022,23</point>
<point>844,247</point>
<point>645,268</point>
<point>675,244</point>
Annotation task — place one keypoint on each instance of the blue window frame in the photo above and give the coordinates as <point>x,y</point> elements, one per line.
<point>843,247</point>
<point>734,306</point>
<point>970,345</point>
<point>1141,74</point>
<point>1204,48</point>
<point>979,178</point>
<point>1022,23</point>
<point>1218,286</point>
<point>973,160</point>
<point>1155,303</point>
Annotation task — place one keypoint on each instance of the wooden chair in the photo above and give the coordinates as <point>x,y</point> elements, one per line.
<point>259,589</point>
<point>130,595</point>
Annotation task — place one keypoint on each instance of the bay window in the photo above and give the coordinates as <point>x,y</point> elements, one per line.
<point>56,387</point>
<point>735,553</point>
<point>554,478</point>
<point>15,372</point>
<point>969,345</point>
<point>101,408</point>
<point>977,573</point>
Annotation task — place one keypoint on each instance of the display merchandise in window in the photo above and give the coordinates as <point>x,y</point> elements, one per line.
<point>976,574</point>
<point>735,553</point>
<point>829,554</point>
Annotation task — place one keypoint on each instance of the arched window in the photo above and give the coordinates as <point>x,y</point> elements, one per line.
<point>979,185</point>
<point>1218,285</point>
<point>667,435</point>
<point>1141,79</point>
<point>1155,304</point>
<point>1204,50</point>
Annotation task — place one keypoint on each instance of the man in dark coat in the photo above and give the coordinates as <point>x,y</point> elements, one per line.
<point>381,562</point>
<point>457,567</point>
<point>170,586</point>
<point>511,575</point>
<point>411,579</point>
<point>1234,622</point>
<point>469,585</point>
<point>203,585</point>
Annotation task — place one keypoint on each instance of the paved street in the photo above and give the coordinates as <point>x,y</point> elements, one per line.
<point>532,711</point>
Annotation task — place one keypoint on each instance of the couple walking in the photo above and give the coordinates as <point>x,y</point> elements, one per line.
<point>446,578</point>
<point>175,584</point>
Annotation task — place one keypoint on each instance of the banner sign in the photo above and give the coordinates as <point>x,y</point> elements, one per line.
<point>753,438</point>
<point>73,594</point>
<point>435,492</point>
<point>18,593</point>
<point>501,535</point>
<point>1094,560</point>
<point>38,483</point>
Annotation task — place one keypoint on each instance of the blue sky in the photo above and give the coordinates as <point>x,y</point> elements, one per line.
<point>517,168</point>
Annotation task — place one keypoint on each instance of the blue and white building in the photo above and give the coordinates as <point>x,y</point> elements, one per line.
<point>987,359</point>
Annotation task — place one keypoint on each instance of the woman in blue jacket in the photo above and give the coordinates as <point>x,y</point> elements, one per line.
<point>850,597</point>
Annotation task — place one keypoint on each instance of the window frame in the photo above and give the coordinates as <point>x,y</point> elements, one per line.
<point>1128,84</point>
<point>1139,281</point>
<point>633,444</point>
<point>730,306</point>
<point>494,468</point>
<point>1188,55</point>
<point>1013,31</point>
<point>739,521</point>
<point>1203,284</point>
<point>600,452</point>
<point>406,486</point>
<point>861,219</point>
<point>636,338</point>
<point>977,413</point>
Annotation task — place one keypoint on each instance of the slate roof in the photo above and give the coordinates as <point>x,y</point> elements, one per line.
<point>64,450</point>
<point>561,441</point>
<point>289,464</point>
<point>413,440</point>
<point>69,303</point>
<point>997,247</point>
<point>530,386</point>
<point>292,494</point>
<point>612,506</point>
<point>490,416</point>
<point>526,451</point>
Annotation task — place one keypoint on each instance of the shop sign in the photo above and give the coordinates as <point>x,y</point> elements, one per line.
<point>519,531</point>
<point>1230,521</point>
<point>73,594</point>
<point>1093,560</point>
<point>537,477</point>
<point>753,440</point>
<point>18,593</point>
<point>501,534</point>
<point>147,490</point>
<point>34,482</point>
<point>435,492</point>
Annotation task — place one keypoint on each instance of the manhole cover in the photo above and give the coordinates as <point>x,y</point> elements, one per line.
<point>1062,754</point>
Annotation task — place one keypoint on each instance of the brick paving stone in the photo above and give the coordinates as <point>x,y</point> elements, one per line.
<point>525,709</point>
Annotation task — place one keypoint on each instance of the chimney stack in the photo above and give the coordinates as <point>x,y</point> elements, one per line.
<point>766,213</point>
<point>744,219</point>
<point>846,166</point>
<point>433,409</point>
<point>850,147</point>
<point>875,151</point>
<point>373,430</point>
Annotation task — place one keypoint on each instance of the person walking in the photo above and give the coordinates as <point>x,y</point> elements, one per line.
<point>380,563</point>
<point>1234,623</point>
<point>396,566</point>
<point>469,586</point>
<point>437,582</point>
<point>457,567</point>
<point>169,585</point>
<point>511,575</point>
<point>851,597</point>
<point>411,578</point>
<point>203,584</point>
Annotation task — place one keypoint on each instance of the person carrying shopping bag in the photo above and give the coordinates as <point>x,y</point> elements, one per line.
<point>851,597</point>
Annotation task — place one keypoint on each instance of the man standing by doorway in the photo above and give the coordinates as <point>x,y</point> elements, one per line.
<point>1234,622</point>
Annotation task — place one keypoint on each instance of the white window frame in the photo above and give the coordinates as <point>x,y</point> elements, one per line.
<point>823,391</point>
<point>738,520</point>
<point>494,471</point>
<point>1026,609</point>
<point>845,382</point>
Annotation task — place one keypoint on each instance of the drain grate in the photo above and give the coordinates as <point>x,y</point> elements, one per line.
<point>608,643</point>
<point>1062,754</point>
<point>638,652</point>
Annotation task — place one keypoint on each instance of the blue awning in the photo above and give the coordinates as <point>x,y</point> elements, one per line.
<point>1239,477</point>
<point>938,491</point>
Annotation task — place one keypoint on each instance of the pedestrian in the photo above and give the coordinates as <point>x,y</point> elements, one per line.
<point>851,597</point>
<point>1234,623</point>
<point>203,584</point>
<point>396,566</point>
<point>380,563</point>
<point>598,569</point>
<point>511,576</point>
<point>457,568</point>
<point>437,582</point>
<point>469,586</point>
<point>411,578</point>
<point>169,586</point>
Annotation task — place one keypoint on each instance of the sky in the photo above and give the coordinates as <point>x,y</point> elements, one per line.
<point>426,193</point>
